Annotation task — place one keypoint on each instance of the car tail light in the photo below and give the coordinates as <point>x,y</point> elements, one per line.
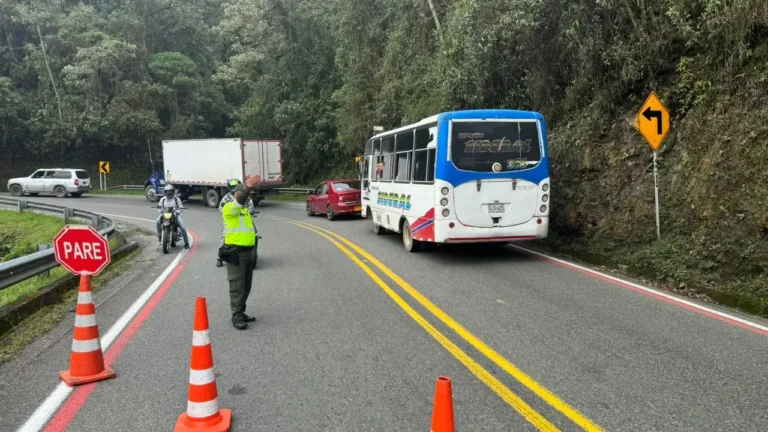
<point>77,182</point>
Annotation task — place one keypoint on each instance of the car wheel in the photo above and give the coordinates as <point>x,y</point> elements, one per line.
<point>17,190</point>
<point>331,215</point>
<point>310,213</point>
<point>411,244</point>
<point>60,192</point>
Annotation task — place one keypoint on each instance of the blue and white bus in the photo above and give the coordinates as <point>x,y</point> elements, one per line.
<point>460,177</point>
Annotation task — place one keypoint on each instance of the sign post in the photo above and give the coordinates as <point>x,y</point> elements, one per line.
<point>103,171</point>
<point>653,123</point>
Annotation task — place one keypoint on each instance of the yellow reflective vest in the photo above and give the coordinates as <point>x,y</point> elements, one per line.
<point>238,225</point>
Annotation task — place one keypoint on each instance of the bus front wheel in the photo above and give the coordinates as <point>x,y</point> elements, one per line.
<point>377,229</point>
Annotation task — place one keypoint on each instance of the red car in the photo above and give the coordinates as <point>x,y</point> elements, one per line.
<point>335,197</point>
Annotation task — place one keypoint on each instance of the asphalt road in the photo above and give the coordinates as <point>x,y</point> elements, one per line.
<point>354,340</point>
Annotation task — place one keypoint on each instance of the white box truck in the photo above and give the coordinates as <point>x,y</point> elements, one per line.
<point>203,166</point>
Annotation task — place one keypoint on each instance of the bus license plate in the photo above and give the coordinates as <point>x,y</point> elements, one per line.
<point>358,208</point>
<point>495,208</point>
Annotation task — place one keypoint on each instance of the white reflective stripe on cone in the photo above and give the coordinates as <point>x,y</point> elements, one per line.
<point>201,338</point>
<point>201,377</point>
<point>84,298</point>
<point>85,346</point>
<point>85,320</point>
<point>202,409</point>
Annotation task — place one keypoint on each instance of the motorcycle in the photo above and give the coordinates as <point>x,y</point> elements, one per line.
<point>170,233</point>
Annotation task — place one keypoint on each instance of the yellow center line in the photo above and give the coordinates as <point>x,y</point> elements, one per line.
<point>573,414</point>
<point>525,410</point>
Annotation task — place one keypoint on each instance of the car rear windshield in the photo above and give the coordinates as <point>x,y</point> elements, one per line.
<point>345,186</point>
<point>81,174</point>
<point>495,146</point>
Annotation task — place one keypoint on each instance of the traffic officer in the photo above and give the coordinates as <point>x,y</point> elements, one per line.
<point>229,197</point>
<point>239,240</point>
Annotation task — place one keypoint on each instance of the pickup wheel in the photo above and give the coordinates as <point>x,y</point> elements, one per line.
<point>60,192</point>
<point>17,190</point>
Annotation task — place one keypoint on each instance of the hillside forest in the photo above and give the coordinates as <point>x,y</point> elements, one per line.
<point>82,81</point>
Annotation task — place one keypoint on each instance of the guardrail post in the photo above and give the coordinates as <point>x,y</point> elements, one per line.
<point>96,221</point>
<point>22,205</point>
<point>68,214</point>
<point>42,247</point>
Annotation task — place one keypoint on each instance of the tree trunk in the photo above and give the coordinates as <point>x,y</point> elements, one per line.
<point>437,20</point>
<point>50,74</point>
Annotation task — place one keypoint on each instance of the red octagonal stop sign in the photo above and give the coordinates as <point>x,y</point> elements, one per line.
<point>82,250</point>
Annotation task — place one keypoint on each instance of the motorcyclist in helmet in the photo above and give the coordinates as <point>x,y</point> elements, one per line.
<point>229,197</point>
<point>170,200</point>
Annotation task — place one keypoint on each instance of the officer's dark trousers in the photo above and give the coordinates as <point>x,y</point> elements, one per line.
<point>240,278</point>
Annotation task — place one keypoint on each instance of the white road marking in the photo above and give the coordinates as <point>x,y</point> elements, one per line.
<point>648,290</point>
<point>48,408</point>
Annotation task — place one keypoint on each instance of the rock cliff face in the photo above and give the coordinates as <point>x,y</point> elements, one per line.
<point>713,177</point>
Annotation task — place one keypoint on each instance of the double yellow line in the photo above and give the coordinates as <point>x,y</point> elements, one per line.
<point>525,410</point>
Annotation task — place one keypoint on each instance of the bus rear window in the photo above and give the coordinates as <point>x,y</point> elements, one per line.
<point>490,146</point>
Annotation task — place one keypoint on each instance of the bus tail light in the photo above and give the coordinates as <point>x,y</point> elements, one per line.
<point>444,202</point>
<point>446,213</point>
<point>445,191</point>
<point>545,187</point>
<point>543,209</point>
<point>545,197</point>
<point>451,225</point>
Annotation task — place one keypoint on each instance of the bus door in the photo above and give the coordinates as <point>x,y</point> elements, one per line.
<point>365,180</point>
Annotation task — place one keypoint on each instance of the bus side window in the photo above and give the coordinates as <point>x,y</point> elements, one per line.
<point>421,159</point>
<point>431,165</point>
<point>377,160</point>
<point>387,158</point>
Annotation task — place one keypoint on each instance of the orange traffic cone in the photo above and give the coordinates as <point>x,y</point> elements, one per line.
<point>442,413</point>
<point>203,413</point>
<point>86,362</point>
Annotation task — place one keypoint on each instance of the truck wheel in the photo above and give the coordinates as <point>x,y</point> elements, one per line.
<point>150,194</point>
<point>212,198</point>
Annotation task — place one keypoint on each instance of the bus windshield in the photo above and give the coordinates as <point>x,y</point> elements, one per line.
<point>495,146</point>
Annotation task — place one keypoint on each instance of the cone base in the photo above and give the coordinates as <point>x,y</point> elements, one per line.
<point>220,423</point>
<point>70,380</point>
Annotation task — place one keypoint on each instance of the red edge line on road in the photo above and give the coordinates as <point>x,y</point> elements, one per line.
<point>665,299</point>
<point>79,397</point>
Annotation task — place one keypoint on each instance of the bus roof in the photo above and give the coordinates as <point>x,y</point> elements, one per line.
<point>468,114</point>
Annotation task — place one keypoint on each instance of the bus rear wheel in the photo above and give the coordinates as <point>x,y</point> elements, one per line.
<point>410,243</point>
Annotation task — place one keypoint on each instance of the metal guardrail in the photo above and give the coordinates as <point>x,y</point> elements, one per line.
<point>23,268</point>
<point>127,187</point>
<point>293,191</point>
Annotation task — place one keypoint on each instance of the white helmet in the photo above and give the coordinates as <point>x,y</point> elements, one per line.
<point>169,190</point>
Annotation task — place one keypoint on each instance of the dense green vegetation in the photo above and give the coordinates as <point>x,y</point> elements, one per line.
<point>83,81</point>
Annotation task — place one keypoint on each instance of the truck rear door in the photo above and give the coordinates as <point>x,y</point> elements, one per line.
<point>264,157</point>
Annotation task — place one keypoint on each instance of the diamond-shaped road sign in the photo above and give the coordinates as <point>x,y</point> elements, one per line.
<point>104,167</point>
<point>81,250</point>
<point>652,121</point>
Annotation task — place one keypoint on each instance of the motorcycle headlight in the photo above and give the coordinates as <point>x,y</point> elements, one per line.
<point>167,215</point>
